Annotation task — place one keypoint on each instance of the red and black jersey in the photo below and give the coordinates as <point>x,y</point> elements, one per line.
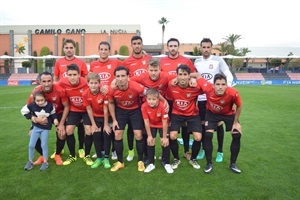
<point>74,93</point>
<point>155,115</point>
<point>224,104</point>
<point>60,67</point>
<point>170,65</point>
<point>57,96</point>
<point>137,66</point>
<point>184,99</point>
<point>105,69</point>
<point>161,84</point>
<point>96,101</point>
<point>128,99</point>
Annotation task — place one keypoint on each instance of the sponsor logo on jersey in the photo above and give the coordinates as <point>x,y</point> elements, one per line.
<point>126,103</point>
<point>216,107</point>
<point>182,104</point>
<point>138,72</point>
<point>207,76</point>
<point>104,76</point>
<point>76,100</point>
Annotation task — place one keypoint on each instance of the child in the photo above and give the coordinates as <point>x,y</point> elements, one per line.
<point>156,119</point>
<point>96,105</point>
<point>38,109</point>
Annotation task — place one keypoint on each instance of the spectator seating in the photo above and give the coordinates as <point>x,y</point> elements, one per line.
<point>30,76</point>
<point>249,76</point>
<point>294,76</point>
<point>276,76</point>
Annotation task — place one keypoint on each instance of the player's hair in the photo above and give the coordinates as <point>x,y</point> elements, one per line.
<point>220,76</point>
<point>205,40</point>
<point>183,68</point>
<point>153,62</point>
<point>93,76</point>
<point>104,43</point>
<point>38,94</point>
<point>74,67</point>
<point>136,37</point>
<point>46,74</point>
<point>152,91</point>
<point>119,68</point>
<point>69,41</point>
<point>173,40</point>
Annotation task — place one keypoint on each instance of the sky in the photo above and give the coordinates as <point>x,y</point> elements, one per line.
<point>260,23</point>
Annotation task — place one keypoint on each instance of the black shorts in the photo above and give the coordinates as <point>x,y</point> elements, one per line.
<point>134,116</point>
<point>74,118</point>
<point>193,123</point>
<point>202,109</point>
<point>155,130</point>
<point>212,120</point>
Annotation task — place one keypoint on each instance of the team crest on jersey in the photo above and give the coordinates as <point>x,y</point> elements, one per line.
<point>108,66</point>
<point>211,66</point>
<point>144,62</point>
<point>188,95</point>
<point>158,114</point>
<point>222,101</point>
<point>130,96</point>
<point>81,90</point>
<point>54,98</point>
<point>100,101</point>
<point>160,85</point>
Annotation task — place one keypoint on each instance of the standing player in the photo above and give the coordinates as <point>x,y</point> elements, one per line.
<point>220,107</point>
<point>169,64</point>
<point>57,96</point>
<point>60,72</point>
<point>137,64</point>
<point>105,67</point>
<point>74,86</point>
<point>124,106</point>
<point>156,120</point>
<point>208,66</point>
<point>97,108</point>
<point>185,110</point>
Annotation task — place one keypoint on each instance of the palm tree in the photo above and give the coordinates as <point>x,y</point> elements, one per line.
<point>232,38</point>
<point>243,51</point>
<point>163,21</point>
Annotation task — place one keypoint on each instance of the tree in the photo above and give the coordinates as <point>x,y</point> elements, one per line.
<point>77,48</point>
<point>243,51</point>
<point>62,47</point>
<point>124,50</point>
<point>35,63</point>
<point>196,51</point>
<point>6,64</point>
<point>44,51</point>
<point>162,22</point>
<point>26,64</point>
<point>237,64</point>
<point>276,62</point>
<point>232,39</point>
